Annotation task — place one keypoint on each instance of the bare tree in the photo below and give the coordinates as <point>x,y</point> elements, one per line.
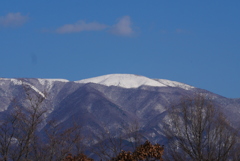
<point>19,131</point>
<point>112,142</point>
<point>197,131</point>
<point>108,145</point>
<point>7,136</point>
<point>61,141</point>
<point>133,134</point>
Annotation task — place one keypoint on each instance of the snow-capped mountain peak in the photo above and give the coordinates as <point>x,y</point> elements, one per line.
<point>132,81</point>
<point>123,80</point>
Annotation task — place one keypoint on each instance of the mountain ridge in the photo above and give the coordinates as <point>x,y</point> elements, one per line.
<point>120,80</point>
<point>132,81</point>
<point>101,103</point>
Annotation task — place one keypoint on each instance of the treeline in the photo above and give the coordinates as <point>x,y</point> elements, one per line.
<point>195,130</point>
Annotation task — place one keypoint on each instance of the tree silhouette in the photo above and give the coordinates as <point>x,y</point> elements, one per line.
<point>197,131</point>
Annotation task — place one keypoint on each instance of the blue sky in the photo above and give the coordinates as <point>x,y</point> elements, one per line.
<point>193,42</point>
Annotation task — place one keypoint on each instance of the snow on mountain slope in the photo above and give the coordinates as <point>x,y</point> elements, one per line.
<point>51,81</point>
<point>48,83</point>
<point>174,84</point>
<point>120,80</point>
<point>20,82</point>
<point>132,81</point>
<point>123,80</point>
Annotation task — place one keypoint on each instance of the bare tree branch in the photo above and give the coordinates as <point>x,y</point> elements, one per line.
<point>197,131</point>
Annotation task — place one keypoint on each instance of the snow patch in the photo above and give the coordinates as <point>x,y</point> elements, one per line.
<point>159,108</point>
<point>16,81</point>
<point>43,81</point>
<point>174,84</point>
<point>152,135</point>
<point>35,89</point>
<point>131,139</point>
<point>48,83</point>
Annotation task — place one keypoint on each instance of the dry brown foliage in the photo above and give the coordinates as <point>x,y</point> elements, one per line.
<point>147,151</point>
<point>79,157</point>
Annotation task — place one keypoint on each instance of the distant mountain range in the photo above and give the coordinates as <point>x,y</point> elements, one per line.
<point>110,101</point>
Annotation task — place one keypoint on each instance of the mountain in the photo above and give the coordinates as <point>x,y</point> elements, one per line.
<point>110,101</point>
<point>132,81</point>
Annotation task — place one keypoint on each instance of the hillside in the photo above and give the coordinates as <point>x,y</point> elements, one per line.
<point>111,101</point>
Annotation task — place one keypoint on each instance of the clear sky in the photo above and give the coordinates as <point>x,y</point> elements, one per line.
<point>193,42</point>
